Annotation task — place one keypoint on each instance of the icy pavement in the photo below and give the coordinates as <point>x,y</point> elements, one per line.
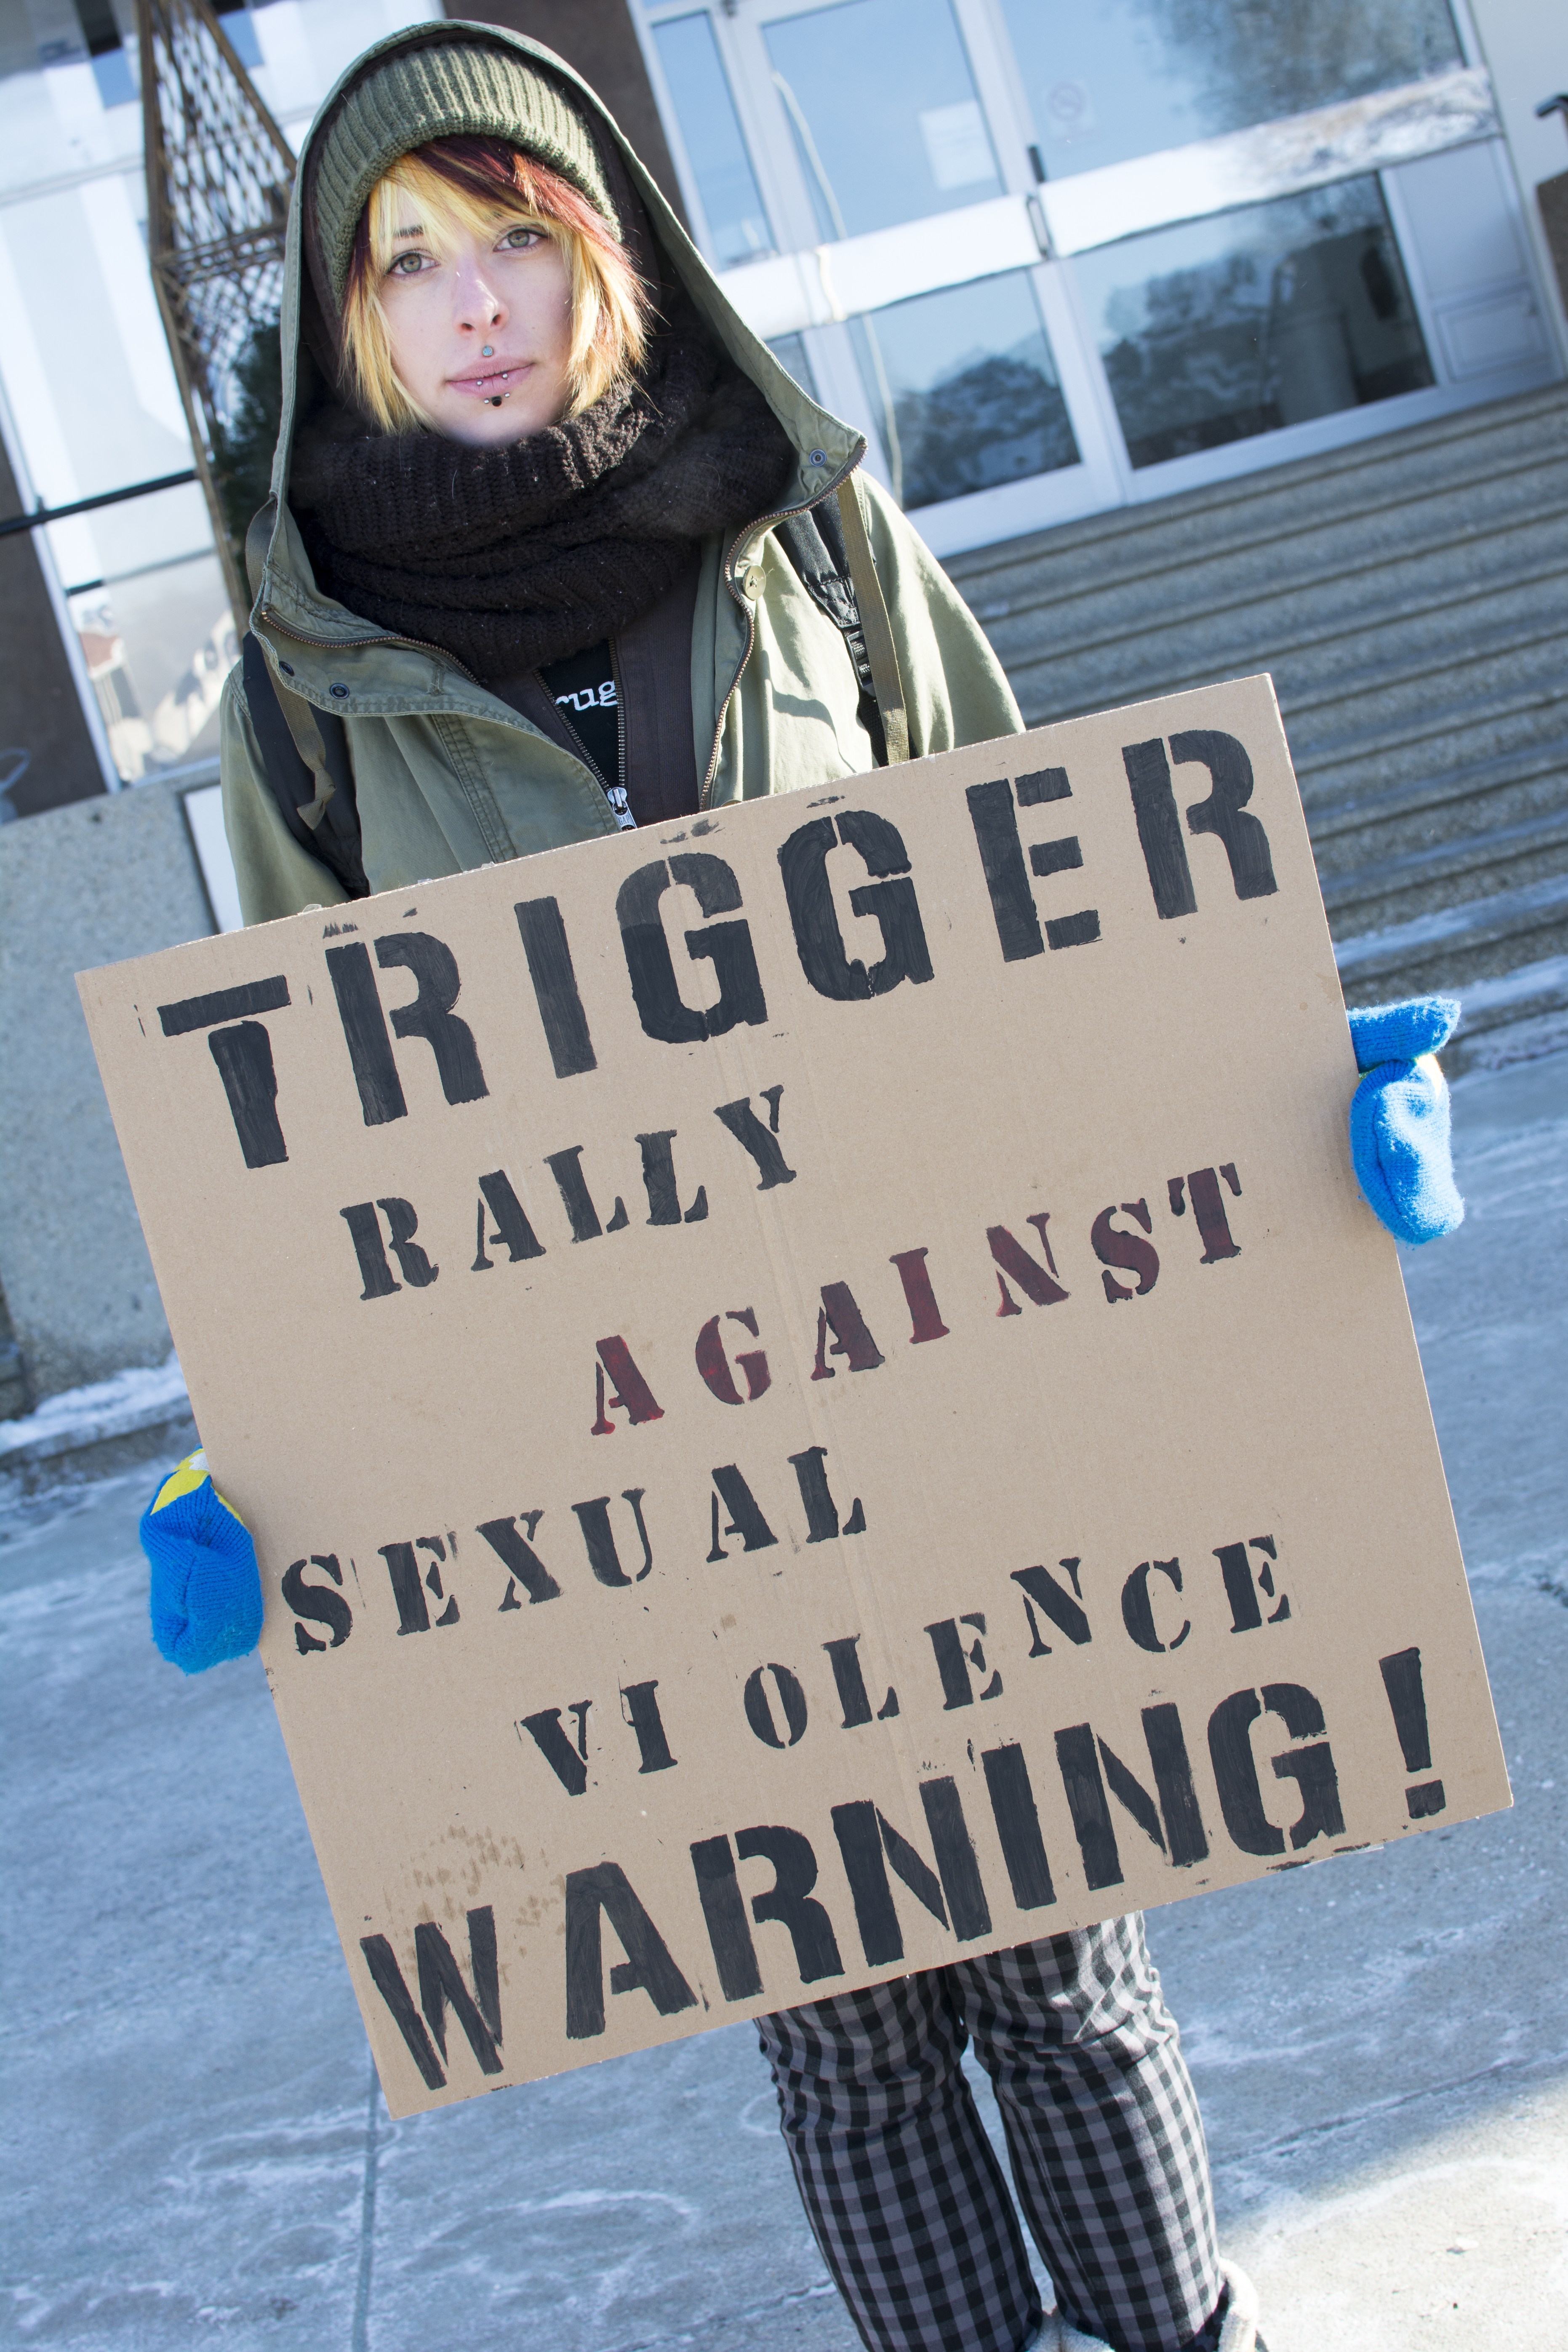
<point>197,2155</point>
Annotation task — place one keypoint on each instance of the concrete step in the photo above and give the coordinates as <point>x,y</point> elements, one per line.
<point>1409,597</point>
<point>1449,810</point>
<point>1465,462</point>
<point>1475,939</point>
<point>1397,889</point>
<point>1518,1017</point>
<point>1528,782</point>
<point>1428,748</point>
<point>1339,642</point>
<point>1431,700</point>
<point>1347,563</point>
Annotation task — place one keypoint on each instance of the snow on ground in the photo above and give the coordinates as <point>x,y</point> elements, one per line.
<point>197,2153</point>
<point>140,1398</point>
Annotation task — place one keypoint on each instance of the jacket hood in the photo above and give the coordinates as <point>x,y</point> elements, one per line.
<point>826,448</point>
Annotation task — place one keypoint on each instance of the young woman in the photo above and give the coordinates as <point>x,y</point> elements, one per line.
<point>555,546</point>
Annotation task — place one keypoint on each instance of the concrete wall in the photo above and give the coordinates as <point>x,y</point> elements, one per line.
<point>90,884</point>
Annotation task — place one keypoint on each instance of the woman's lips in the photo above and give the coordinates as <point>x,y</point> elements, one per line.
<point>504,375</point>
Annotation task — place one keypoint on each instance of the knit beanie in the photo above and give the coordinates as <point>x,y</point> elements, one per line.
<point>438,90</point>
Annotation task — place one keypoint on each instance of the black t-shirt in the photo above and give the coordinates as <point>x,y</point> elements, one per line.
<point>583,686</point>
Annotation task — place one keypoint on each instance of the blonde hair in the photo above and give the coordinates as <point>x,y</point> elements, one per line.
<point>474,185</point>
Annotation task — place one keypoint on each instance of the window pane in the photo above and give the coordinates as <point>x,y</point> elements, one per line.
<point>1111,79</point>
<point>712,131</point>
<point>794,359</point>
<point>966,389</point>
<point>1252,320</point>
<point>159,645</point>
<point>883,107</point>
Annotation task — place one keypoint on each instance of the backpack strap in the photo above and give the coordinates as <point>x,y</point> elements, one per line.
<point>830,550</point>
<point>305,754</point>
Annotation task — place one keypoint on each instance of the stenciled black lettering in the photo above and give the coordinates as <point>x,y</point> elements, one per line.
<point>810,1467</point>
<point>318,1604</point>
<point>728,947</point>
<point>364,1231</point>
<point>759,1141</point>
<point>1235,1772</point>
<point>958,1865</point>
<point>1017,1820</point>
<point>430,1015</point>
<point>513,1231</point>
<point>889,900</point>
<point>641,1709</point>
<point>1159,829</point>
<point>725,1916</point>
<point>789,1901</point>
<point>606,1892</point>
<point>598,1537</point>
<point>565,1023</point>
<point>402,1224</point>
<point>1064,1609</point>
<point>746,1518</point>
<point>441,1982</point>
<point>792,1706</point>
<point>244,1060</point>
<point>1138,1608</point>
<point>569,1763</point>
<point>1224,813</point>
<point>517,1556</point>
<point>868,1842</point>
<point>658,1182</point>
<point>365,1033</point>
<point>1242,1584</point>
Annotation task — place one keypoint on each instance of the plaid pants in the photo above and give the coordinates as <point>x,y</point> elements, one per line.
<point>903,2187</point>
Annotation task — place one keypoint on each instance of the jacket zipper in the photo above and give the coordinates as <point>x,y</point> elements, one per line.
<point>764,522</point>
<point>620,735</point>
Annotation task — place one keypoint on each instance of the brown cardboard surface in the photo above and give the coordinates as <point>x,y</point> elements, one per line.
<point>933,1461</point>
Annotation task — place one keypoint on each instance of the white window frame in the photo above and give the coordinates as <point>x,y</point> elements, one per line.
<point>812,286</point>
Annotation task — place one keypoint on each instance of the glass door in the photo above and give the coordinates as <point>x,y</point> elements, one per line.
<point>1051,256</point>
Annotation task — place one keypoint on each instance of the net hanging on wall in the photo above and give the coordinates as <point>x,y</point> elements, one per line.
<point>218,175</point>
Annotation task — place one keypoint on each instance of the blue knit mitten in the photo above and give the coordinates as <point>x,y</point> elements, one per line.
<point>206,1592</point>
<point>1400,1118</point>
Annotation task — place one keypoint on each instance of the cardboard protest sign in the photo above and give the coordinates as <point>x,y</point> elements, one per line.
<point>814,1387</point>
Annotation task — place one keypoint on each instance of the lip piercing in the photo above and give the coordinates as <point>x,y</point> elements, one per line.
<point>489,353</point>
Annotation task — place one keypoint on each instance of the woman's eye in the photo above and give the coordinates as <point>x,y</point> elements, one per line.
<point>407,265</point>
<point>518,240</point>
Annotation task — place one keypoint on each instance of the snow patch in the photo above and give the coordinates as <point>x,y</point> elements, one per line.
<point>138,1398</point>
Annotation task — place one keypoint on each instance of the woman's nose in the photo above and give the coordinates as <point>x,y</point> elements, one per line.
<point>478,308</point>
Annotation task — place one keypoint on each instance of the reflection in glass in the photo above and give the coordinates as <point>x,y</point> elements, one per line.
<point>158,645</point>
<point>1255,319</point>
<point>965,388</point>
<point>886,120</point>
<point>1107,80</point>
<point>241,32</point>
<point>794,359</point>
<point>712,131</point>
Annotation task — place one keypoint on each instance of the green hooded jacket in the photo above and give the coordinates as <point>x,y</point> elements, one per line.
<point>448,777</point>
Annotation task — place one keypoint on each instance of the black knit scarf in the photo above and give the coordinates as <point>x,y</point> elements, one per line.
<point>511,557</point>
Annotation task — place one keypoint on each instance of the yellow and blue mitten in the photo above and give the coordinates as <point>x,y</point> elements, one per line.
<point>1400,1139</point>
<point>206,1592</point>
